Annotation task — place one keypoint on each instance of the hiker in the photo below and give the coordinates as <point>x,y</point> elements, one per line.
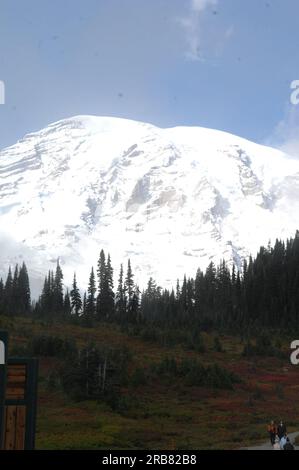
<point>283,441</point>
<point>276,445</point>
<point>288,445</point>
<point>281,430</point>
<point>272,430</point>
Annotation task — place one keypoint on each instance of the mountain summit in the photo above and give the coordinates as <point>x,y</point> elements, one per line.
<point>172,200</point>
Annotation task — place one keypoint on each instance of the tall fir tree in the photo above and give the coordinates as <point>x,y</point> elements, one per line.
<point>76,301</point>
<point>45,300</point>
<point>129,282</point>
<point>67,304</point>
<point>8,293</point>
<point>120,298</point>
<point>109,293</point>
<point>101,297</point>
<point>129,290</point>
<point>24,291</point>
<point>15,292</point>
<point>91,296</point>
<point>58,290</point>
<point>135,305</point>
<point>84,304</point>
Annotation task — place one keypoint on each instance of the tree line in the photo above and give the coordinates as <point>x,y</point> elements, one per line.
<point>15,292</point>
<point>263,292</point>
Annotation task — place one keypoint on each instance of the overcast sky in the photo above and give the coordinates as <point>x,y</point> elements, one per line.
<point>225,64</point>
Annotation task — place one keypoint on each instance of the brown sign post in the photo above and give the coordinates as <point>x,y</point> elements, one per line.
<point>18,400</point>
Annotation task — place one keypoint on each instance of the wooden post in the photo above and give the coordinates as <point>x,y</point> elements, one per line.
<point>20,404</point>
<point>18,399</point>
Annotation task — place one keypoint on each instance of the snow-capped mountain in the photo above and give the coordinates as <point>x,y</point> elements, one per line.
<point>172,200</point>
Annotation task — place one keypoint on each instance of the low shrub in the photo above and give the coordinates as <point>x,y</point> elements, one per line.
<point>52,346</point>
<point>193,373</point>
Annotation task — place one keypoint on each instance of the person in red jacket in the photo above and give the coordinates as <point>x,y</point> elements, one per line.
<point>272,430</point>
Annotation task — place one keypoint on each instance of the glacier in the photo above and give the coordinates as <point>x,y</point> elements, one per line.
<point>170,199</point>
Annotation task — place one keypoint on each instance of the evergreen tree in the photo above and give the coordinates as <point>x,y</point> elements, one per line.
<point>135,304</point>
<point>91,299</point>
<point>120,298</point>
<point>108,286</point>
<point>8,293</point>
<point>46,296</point>
<point>102,286</point>
<point>199,293</point>
<point>76,302</point>
<point>58,290</point>
<point>129,287</point>
<point>183,295</point>
<point>15,292</point>
<point>84,304</point>
<point>178,290</point>
<point>24,291</point>
<point>67,304</point>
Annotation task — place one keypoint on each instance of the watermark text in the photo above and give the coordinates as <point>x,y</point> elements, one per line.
<point>295,354</point>
<point>294,98</point>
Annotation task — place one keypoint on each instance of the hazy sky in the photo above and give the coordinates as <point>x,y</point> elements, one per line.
<point>224,64</point>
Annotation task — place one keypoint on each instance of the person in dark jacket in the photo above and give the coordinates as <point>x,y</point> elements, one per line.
<point>288,445</point>
<point>281,430</point>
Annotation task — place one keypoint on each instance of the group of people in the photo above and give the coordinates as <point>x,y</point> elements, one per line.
<point>278,436</point>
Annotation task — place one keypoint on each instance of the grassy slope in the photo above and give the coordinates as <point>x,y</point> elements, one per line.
<point>164,416</point>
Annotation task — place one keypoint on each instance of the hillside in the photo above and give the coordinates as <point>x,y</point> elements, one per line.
<point>164,413</point>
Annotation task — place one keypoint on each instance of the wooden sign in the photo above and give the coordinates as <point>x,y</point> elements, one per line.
<point>18,398</point>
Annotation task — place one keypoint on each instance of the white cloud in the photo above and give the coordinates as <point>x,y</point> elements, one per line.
<point>193,26</point>
<point>286,133</point>
<point>193,39</point>
<point>201,5</point>
<point>229,32</point>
